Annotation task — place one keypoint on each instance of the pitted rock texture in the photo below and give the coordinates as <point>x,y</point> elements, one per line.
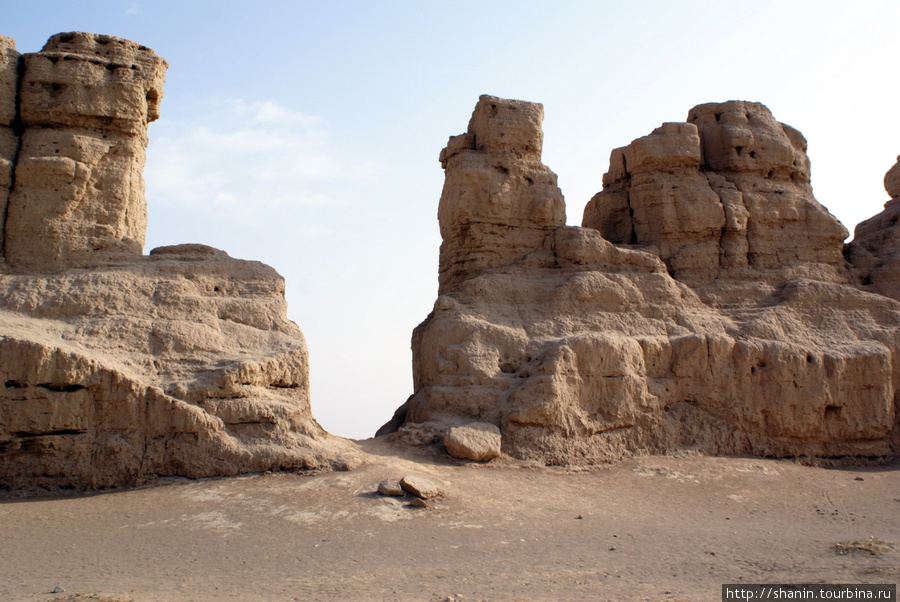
<point>720,318</point>
<point>874,252</point>
<point>83,106</point>
<point>725,195</point>
<point>499,201</point>
<point>129,367</point>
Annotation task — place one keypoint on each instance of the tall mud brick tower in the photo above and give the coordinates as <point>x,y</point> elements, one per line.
<point>78,135</point>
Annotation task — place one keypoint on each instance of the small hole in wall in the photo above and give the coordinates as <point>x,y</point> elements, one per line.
<point>216,289</point>
<point>832,412</point>
<point>718,116</point>
<point>739,149</point>
<point>507,367</point>
<point>809,358</point>
<point>752,154</point>
<point>771,174</point>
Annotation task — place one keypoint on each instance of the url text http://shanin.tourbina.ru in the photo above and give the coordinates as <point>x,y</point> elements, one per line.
<point>810,591</point>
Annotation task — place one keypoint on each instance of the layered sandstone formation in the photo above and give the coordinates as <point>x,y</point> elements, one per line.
<point>117,367</point>
<point>705,304</point>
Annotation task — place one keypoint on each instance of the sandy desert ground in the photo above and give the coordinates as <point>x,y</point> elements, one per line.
<point>648,528</point>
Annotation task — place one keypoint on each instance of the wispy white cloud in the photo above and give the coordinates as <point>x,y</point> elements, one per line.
<point>134,9</point>
<point>237,153</point>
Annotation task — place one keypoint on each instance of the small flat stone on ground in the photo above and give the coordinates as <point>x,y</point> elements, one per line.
<point>390,487</point>
<point>419,487</point>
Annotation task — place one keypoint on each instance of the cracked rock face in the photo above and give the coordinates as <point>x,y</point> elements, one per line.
<point>499,201</point>
<point>116,367</point>
<point>725,195</point>
<point>83,106</point>
<point>705,304</point>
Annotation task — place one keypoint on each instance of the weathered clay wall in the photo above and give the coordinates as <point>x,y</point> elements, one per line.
<point>499,201</point>
<point>83,105</point>
<point>725,195</point>
<point>705,304</point>
<point>117,367</point>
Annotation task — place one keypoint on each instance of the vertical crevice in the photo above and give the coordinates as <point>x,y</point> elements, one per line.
<point>632,236</point>
<point>724,229</point>
<point>18,129</point>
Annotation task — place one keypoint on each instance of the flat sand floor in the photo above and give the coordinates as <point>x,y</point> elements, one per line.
<point>647,528</point>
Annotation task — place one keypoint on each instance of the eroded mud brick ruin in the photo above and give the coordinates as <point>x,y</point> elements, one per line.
<point>115,366</point>
<point>707,302</point>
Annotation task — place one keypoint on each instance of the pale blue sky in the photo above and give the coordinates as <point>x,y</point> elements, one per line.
<point>306,134</point>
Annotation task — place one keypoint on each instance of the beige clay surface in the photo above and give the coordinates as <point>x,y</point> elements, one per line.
<point>647,528</point>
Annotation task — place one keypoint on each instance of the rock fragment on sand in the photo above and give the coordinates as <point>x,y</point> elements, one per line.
<point>419,487</point>
<point>478,441</point>
<point>390,487</point>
